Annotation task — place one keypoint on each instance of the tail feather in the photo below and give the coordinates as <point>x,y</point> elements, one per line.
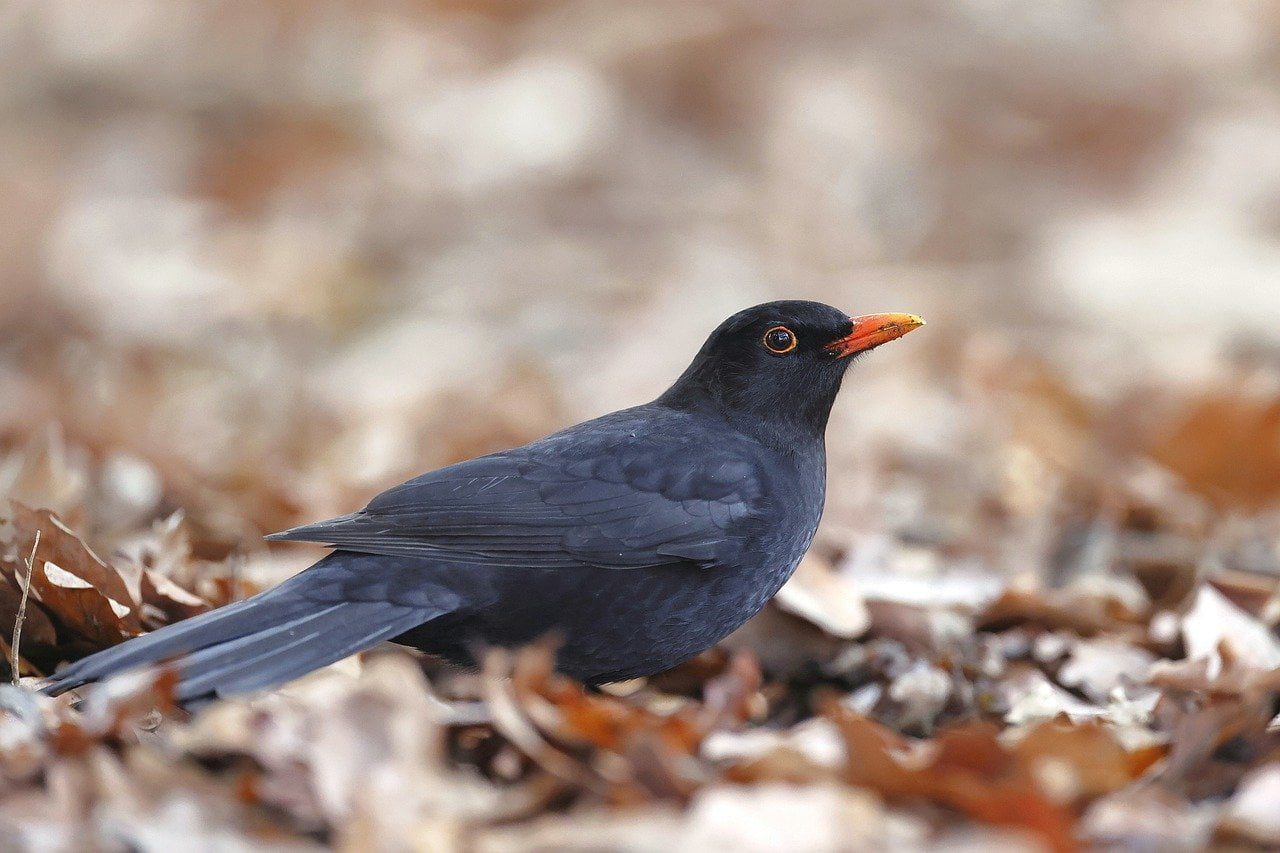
<point>260,642</point>
<point>285,652</point>
<point>171,642</point>
<point>201,669</point>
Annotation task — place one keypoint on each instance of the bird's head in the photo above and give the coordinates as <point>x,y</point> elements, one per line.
<point>781,362</point>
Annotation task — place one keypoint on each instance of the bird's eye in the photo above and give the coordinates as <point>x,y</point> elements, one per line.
<point>780,340</point>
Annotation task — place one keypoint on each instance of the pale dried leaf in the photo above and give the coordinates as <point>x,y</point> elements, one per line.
<point>825,598</point>
<point>1214,620</point>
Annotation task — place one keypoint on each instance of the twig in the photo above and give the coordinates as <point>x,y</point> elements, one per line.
<point>22,607</point>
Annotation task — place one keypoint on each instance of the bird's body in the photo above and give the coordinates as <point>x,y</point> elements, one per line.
<point>698,533</point>
<point>640,538</point>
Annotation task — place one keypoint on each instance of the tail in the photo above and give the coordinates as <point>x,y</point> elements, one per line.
<point>301,625</point>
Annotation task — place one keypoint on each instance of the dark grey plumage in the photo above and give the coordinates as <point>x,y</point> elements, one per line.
<point>640,538</point>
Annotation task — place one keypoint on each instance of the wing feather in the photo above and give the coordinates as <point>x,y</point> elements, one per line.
<point>615,498</point>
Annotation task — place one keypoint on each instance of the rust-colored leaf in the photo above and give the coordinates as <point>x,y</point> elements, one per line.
<point>1086,758</point>
<point>970,772</point>
<point>82,607</point>
<point>80,589</point>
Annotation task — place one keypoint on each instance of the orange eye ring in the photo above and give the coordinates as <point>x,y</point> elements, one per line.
<point>780,340</point>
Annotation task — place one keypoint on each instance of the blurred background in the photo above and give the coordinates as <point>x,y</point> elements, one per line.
<point>261,259</point>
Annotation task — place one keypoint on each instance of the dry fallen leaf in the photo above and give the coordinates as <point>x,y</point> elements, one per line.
<point>967,770</point>
<point>818,593</point>
<point>1078,762</point>
<point>172,600</point>
<point>1215,622</point>
<point>1098,666</point>
<point>73,584</point>
<point>37,630</point>
<point>82,607</point>
<point>58,544</point>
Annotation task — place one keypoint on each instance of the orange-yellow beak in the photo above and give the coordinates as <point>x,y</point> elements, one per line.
<point>872,330</point>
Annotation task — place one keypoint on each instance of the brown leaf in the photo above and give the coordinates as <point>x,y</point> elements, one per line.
<point>172,600</point>
<point>37,629</point>
<point>82,590</point>
<point>634,752</point>
<point>1083,759</point>
<point>1086,615</point>
<point>969,772</point>
<point>82,607</point>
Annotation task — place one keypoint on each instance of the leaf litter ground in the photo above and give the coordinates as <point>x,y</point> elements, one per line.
<point>1117,686</point>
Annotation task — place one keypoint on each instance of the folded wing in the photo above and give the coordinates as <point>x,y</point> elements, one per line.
<point>624,501</point>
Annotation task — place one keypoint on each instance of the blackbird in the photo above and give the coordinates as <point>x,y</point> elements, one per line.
<point>640,538</point>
